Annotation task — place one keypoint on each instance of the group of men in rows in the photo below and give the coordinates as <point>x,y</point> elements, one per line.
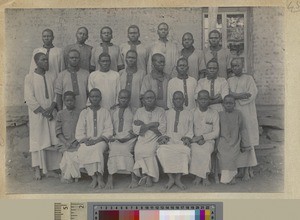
<point>143,104</point>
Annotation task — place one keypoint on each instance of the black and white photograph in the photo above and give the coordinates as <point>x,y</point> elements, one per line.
<point>145,100</point>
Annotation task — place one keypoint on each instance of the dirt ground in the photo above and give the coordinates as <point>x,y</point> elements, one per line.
<point>269,177</point>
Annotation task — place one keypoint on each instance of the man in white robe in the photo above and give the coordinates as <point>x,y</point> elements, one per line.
<point>106,35</point>
<point>174,152</point>
<point>55,55</point>
<point>149,124</point>
<point>94,128</point>
<point>165,47</point>
<point>244,90</point>
<point>184,83</point>
<point>120,159</point>
<point>215,85</point>
<point>40,97</point>
<point>106,80</point>
<point>206,130</point>
<point>135,44</point>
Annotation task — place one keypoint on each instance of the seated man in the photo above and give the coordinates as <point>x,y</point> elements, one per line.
<point>93,130</point>
<point>149,124</point>
<point>120,159</point>
<point>206,129</point>
<point>174,152</point>
<point>65,131</point>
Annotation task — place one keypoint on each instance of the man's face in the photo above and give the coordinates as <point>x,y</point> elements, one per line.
<point>229,104</point>
<point>182,67</point>
<point>82,35</point>
<point>203,99</point>
<point>237,67</point>
<point>69,102</point>
<point>149,99</point>
<point>163,31</point>
<point>47,37</point>
<point>212,70</point>
<point>43,62</point>
<point>214,39</point>
<point>106,35</point>
<point>74,59</point>
<point>104,63</point>
<point>178,100</point>
<point>159,63</point>
<point>133,34</point>
<point>187,41</point>
<point>95,98</point>
<point>124,99</point>
<point>131,59</point>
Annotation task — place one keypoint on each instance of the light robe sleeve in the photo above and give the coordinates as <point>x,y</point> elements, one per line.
<point>91,82</point>
<point>81,128</point>
<point>162,123</point>
<point>92,62</point>
<point>169,97</point>
<point>120,60</point>
<point>29,94</point>
<point>108,126</point>
<point>58,86</point>
<point>190,128</point>
<point>118,88</point>
<point>146,85</point>
<point>215,128</point>
<point>32,63</point>
<point>136,129</point>
<point>224,89</point>
<point>252,89</point>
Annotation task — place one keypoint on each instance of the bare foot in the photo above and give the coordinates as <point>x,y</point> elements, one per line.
<point>142,181</point>
<point>217,181</point>
<point>109,184</point>
<point>246,176</point>
<point>180,184</point>
<point>169,184</point>
<point>233,181</point>
<point>76,180</point>
<point>149,181</point>
<point>133,184</point>
<point>240,173</point>
<point>63,180</point>
<point>197,181</point>
<point>94,182</point>
<point>52,174</point>
<point>251,173</point>
<point>206,182</point>
<point>37,174</point>
<point>101,183</point>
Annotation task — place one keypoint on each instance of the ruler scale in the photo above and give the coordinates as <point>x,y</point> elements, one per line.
<point>138,211</point>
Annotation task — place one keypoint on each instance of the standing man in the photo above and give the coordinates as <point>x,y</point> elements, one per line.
<point>194,56</point>
<point>165,47</point>
<point>85,50</point>
<point>219,53</point>
<point>73,79</point>
<point>135,44</point>
<point>54,54</point>
<point>106,35</point>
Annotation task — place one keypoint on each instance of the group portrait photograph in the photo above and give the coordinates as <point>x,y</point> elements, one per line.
<point>144,100</point>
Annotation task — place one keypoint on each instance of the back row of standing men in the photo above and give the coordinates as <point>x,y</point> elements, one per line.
<point>162,62</point>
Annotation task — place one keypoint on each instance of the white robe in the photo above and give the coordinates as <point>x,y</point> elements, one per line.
<point>109,85</point>
<point>146,146</point>
<point>41,130</point>
<point>174,156</point>
<point>177,84</point>
<point>205,124</point>
<point>246,83</point>
<point>92,156</point>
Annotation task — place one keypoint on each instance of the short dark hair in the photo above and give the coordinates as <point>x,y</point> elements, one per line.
<point>131,51</point>
<point>106,27</point>
<point>163,23</point>
<point>213,60</point>
<point>87,31</point>
<point>48,30</point>
<point>73,50</point>
<point>37,56</point>
<point>228,96</point>
<point>95,90</point>
<point>178,92</point>
<point>104,55</point>
<point>214,31</point>
<point>154,56</point>
<point>182,59</point>
<point>133,26</point>
<point>69,93</point>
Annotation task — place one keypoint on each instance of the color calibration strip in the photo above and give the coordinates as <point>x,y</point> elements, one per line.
<point>157,211</point>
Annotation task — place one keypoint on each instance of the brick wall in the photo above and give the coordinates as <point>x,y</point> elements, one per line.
<point>268,55</point>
